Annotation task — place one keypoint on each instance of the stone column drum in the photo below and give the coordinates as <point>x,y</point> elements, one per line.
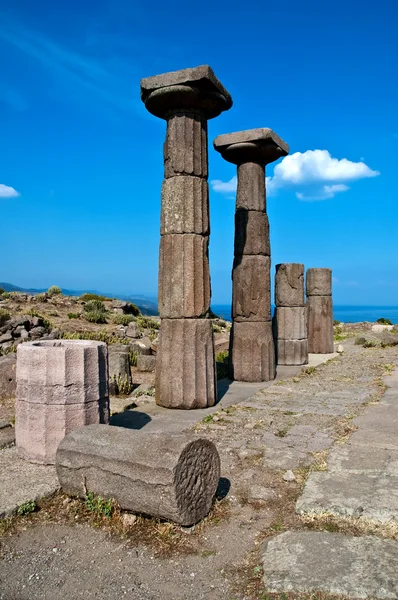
<point>62,385</point>
<point>320,311</point>
<point>290,319</point>
<point>185,366</point>
<point>252,350</point>
<point>167,476</point>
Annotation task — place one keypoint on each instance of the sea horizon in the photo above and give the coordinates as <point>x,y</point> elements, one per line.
<point>344,313</point>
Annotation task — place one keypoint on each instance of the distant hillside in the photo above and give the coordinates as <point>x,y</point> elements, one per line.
<point>148,306</point>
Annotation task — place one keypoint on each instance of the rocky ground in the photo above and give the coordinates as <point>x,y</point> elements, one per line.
<point>272,447</point>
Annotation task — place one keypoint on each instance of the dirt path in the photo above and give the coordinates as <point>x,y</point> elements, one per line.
<point>290,426</point>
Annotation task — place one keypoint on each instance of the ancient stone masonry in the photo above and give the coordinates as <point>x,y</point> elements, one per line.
<point>290,319</point>
<point>185,370</point>
<point>167,476</point>
<point>252,350</point>
<point>62,385</point>
<point>319,311</point>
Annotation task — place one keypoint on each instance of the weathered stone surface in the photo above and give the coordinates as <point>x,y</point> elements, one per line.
<point>7,436</point>
<point>251,233</point>
<point>289,284</point>
<point>184,278</point>
<point>8,383</point>
<point>252,351</point>
<point>319,282</point>
<point>320,324</point>
<point>190,88</point>
<point>251,295</point>
<point>146,363</point>
<point>133,331</point>
<point>290,323</point>
<point>291,352</point>
<point>185,149</point>
<point>170,477</point>
<point>141,346</point>
<point>119,366</point>
<point>185,366</point>
<point>355,567</point>
<point>251,187</point>
<point>262,145</point>
<point>61,385</point>
<point>185,206</point>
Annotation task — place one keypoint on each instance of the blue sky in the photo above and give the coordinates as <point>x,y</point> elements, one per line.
<point>81,159</point>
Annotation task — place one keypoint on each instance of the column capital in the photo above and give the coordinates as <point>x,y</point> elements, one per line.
<point>188,90</point>
<point>253,145</point>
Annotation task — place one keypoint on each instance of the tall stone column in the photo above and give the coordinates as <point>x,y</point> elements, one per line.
<point>185,369</point>
<point>320,311</point>
<point>290,320</point>
<point>252,350</point>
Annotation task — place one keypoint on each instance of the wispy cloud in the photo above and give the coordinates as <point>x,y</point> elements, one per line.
<point>314,174</point>
<point>8,192</point>
<point>108,80</point>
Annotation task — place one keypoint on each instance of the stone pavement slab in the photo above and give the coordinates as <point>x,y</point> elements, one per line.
<point>21,481</point>
<point>357,567</point>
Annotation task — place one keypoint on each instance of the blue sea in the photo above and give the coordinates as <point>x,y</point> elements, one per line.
<point>346,314</point>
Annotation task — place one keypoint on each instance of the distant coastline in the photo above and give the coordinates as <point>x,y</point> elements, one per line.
<point>343,313</point>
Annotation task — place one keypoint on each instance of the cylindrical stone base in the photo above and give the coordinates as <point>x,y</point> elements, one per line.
<point>320,324</point>
<point>169,477</point>
<point>185,365</point>
<point>292,352</point>
<point>62,385</point>
<point>252,351</point>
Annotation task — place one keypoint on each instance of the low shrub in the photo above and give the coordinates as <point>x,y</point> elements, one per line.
<point>94,305</point>
<point>123,319</point>
<point>122,385</point>
<point>73,315</point>
<point>147,323</point>
<point>98,336</point>
<point>133,358</point>
<point>54,290</point>
<point>132,309</point>
<point>95,316</point>
<point>222,359</point>
<point>1,291</point>
<point>4,316</point>
<point>41,297</point>
<point>384,321</point>
<point>87,297</point>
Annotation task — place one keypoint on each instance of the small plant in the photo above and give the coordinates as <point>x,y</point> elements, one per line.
<point>98,505</point>
<point>133,355</point>
<point>1,291</point>
<point>53,313</point>
<point>41,297</point>
<point>122,385</point>
<point>123,319</point>
<point>216,328</point>
<point>95,316</point>
<point>73,315</point>
<point>222,364</point>
<point>309,370</point>
<point>147,323</point>
<point>88,297</point>
<point>4,316</point>
<point>384,321</point>
<point>99,336</point>
<point>5,295</point>
<point>369,344</point>
<point>95,311</point>
<point>27,508</point>
<point>54,290</point>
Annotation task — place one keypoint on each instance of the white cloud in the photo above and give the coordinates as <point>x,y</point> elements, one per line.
<point>315,175</point>
<point>224,187</point>
<point>8,192</point>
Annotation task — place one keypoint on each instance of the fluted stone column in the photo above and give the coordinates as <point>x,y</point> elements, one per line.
<point>252,350</point>
<point>319,311</point>
<point>290,319</point>
<point>185,366</point>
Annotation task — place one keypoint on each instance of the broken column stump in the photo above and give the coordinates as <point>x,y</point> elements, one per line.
<point>186,100</point>
<point>319,311</point>
<point>252,350</point>
<point>165,476</point>
<point>290,319</point>
<point>61,385</point>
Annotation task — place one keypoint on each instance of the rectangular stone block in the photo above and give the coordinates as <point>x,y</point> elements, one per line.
<point>320,324</point>
<point>146,363</point>
<point>185,149</point>
<point>291,352</point>
<point>251,297</point>
<point>185,206</point>
<point>185,364</point>
<point>290,323</point>
<point>319,282</point>
<point>251,187</point>
<point>184,277</point>
<point>289,284</point>
<point>251,233</point>
<point>252,351</point>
